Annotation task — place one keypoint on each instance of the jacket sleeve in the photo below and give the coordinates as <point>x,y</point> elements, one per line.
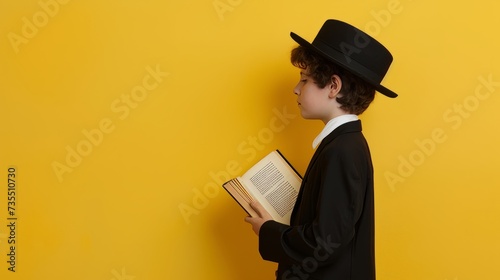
<point>341,181</point>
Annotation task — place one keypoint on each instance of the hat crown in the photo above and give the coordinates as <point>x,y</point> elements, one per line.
<point>353,50</point>
<point>355,45</point>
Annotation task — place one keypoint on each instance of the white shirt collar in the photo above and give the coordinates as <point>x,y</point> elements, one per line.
<point>332,125</point>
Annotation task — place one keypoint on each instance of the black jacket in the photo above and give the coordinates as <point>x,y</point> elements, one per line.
<point>331,235</point>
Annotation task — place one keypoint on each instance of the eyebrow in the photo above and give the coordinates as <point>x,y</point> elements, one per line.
<point>302,73</point>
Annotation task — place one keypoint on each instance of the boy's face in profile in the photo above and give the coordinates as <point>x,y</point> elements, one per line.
<point>314,102</point>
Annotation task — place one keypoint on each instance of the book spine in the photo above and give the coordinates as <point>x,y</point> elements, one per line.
<point>293,168</point>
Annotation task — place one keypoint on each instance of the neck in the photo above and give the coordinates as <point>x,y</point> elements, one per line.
<point>335,114</point>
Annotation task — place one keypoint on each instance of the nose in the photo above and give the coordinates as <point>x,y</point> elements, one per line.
<point>296,90</point>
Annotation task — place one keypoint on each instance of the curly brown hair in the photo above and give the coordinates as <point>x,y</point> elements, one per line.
<point>355,95</point>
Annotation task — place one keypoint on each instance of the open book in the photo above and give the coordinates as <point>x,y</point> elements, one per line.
<point>273,182</point>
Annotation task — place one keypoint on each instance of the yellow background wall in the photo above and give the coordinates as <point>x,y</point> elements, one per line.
<point>122,118</point>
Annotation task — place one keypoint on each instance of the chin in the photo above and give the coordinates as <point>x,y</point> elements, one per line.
<point>307,117</point>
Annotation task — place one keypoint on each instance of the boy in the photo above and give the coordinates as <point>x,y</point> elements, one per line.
<point>331,232</point>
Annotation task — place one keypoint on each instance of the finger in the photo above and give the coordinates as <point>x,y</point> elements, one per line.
<point>257,207</point>
<point>261,211</point>
<point>250,220</point>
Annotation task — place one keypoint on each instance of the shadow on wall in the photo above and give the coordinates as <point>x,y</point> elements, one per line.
<point>232,235</point>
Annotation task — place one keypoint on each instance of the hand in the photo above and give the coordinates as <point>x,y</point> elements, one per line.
<point>263,217</point>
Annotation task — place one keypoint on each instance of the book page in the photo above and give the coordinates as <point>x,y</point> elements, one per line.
<point>275,184</point>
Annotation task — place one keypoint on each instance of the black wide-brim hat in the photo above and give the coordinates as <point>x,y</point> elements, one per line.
<point>353,50</point>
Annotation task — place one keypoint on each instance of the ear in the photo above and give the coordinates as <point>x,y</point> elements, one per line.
<point>335,86</point>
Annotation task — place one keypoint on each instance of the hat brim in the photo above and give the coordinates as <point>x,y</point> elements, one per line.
<point>378,87</point>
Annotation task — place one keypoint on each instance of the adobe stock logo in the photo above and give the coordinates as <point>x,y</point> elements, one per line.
<point>454,117</point>
<point>223,6</point>
<point>380,19</point>
<point>309,265</point>
<point>122,275</point>
<point>31,26</point>
<point>249,147</point>
<point>121,106</point>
